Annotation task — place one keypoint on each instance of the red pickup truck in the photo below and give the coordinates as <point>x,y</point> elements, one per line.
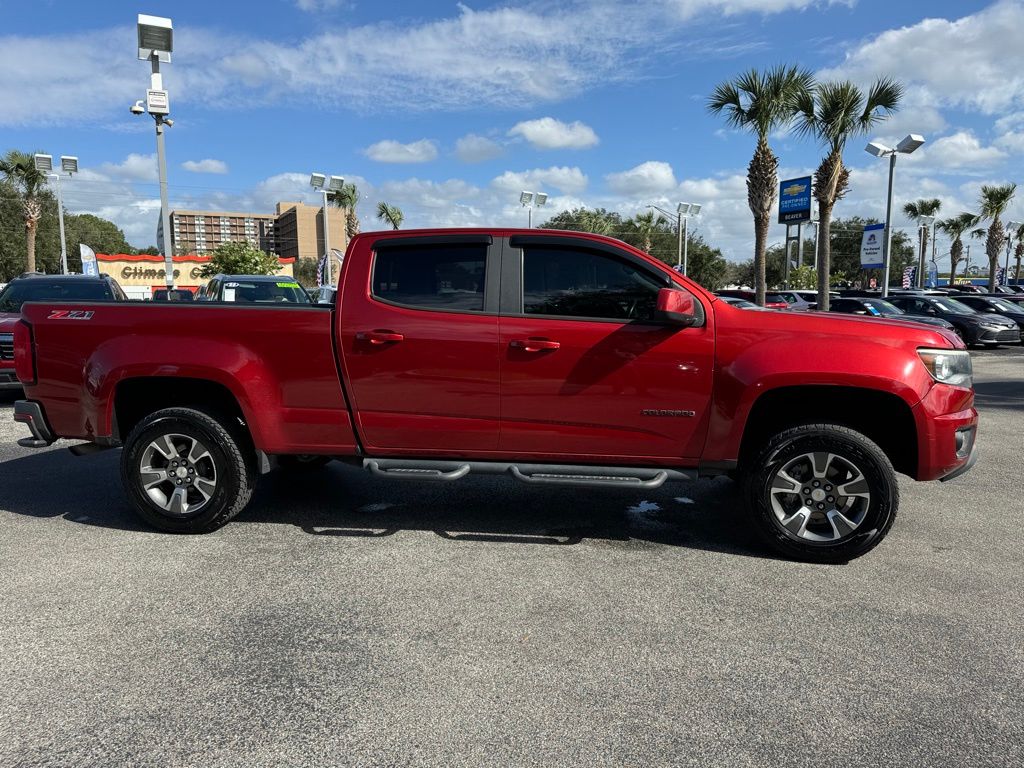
<point>550,357</point>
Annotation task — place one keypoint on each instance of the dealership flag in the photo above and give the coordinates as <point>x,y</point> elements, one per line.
<point>321,271</point>
<point>88,260</point>
<point>909,277</point>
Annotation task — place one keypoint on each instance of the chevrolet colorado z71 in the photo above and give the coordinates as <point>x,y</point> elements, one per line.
<point>551,357</point>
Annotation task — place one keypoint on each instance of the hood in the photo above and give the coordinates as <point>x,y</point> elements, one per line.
<point>991,318</point>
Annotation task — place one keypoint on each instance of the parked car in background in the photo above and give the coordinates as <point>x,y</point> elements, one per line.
<point>883,309</point>
<point>740,303</point>
<point>38,287</point>
<point>772,299</point>
<point>253,289</point>
<point>965,288</point>
<point>800,301</point>
<point>176,294</point>
<point>997,305</point>
<point>325,294</point>
<point>972,326</point>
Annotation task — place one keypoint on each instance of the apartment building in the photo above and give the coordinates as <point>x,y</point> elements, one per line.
<point>200,232</point>
<point>299,230</point>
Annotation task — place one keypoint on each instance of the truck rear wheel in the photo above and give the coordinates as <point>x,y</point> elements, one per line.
<point>822,493</point>
<point>185,471</point>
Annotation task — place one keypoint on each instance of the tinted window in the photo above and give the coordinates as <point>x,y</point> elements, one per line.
<point>442,277</point>
<point>263,292</point>
<point>575,283</point>
<point>20,291</point>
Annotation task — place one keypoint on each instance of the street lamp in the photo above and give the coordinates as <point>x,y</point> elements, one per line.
<point>156,41</point>
<point>326,186</point>
<point>69,165</point>
<point>530,199</point>
<point>682,214</point>
<point>907,145</point>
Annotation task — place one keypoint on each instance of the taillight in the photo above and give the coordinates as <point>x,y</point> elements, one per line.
<point>24,353</point>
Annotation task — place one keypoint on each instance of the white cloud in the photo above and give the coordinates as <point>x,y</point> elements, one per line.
<point>389,151</point>
<point>209,165</point>
<point>476,149</point>
<point>569,180</point>
<point>317,6</point>
<point>134,167</point>
<point>975,61</point>
<point>548,133</point>
<point>651,178</point>
<point>687,9</point>
<point>960,152</point>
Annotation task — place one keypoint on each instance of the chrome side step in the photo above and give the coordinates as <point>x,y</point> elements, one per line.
<point>532,474</point>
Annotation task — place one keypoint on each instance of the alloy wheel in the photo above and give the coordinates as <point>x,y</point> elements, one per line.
<point>820,497</point>
<point>178,474</point>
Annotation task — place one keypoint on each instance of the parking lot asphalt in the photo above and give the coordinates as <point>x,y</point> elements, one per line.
<point>345,621</point>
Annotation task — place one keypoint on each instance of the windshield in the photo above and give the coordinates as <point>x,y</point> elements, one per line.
<point>882,307</point>
<point>1004,305</point>
<point>954,307</point>
<point>20,291</point>
<point>264,292</point>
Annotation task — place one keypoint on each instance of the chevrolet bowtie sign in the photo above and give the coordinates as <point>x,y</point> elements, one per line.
<point>795,201</point>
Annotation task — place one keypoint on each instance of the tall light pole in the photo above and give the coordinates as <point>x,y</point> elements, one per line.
<point>922,226</point>
<point>1011,227</point>
<point>530,199</point>
<point>68,165</point>
<point>156,40</point>
<point>685,211</point>
<point>907,145</point>
<point>320,182</point>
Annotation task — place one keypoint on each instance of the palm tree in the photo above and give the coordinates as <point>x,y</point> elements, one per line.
<point>956,227</point>
<point>645,226</point>
<point>390,214</point>
<point>832,113</point>
<point>20,170</point>
<point>915,211</point>
<point>994,200</point>
<point>348,197</point>
<point>761,102</point>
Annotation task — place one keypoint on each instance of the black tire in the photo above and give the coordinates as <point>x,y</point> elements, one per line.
<point>856,457</point>
<point>302,462</point>
<point>226,459</point>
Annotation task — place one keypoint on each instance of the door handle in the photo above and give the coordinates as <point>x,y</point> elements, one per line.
<point>534,345</point>
<point>380,337</point>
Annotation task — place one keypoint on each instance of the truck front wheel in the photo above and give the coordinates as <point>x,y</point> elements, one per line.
<point>822,493</point>
<point>185,471</point>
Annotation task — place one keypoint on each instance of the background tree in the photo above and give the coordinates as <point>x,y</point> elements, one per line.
<point>761,102</point>
<point>305,271</point>
<point>390,214</point>
<point>832,113</point>
<point>1018,252</point>
<point>956,227</point>
<point>993,202</point>
<point>99,234</point>
<point>347,197</point>
<point>19,170</point>
<point>598,221</point>
<point>915,211</point>
<point>150,250</point>
<point>642,228</point>
<point>240,258</point>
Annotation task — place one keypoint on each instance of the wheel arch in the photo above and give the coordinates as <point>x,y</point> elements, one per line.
<point>883,417</point>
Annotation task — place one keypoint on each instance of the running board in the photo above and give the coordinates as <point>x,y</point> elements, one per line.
<point>532,474</point>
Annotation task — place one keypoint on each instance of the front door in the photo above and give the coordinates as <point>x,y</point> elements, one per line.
<point>588,372</point>
<point>419,336</point>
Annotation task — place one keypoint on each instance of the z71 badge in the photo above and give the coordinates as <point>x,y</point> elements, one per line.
<point>70,314</point>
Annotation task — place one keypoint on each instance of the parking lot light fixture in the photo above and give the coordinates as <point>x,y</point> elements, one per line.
<point>907,145</point>
<point>326,185</point>
<point>685,211</point>
<point>530,199</point>
<point>69,165</point>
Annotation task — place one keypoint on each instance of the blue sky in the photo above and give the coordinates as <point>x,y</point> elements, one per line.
<point>449,110</point>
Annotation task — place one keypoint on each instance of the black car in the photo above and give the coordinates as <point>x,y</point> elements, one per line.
<point>997,305</point>
<point>972,326</point>
<point>57,288</point>
<point>884,309</point>
<point>175,294</point>
<point>254,289</point>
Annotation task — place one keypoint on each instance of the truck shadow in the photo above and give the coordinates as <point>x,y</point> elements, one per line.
<point>342,501</point>
<point>999,394</point>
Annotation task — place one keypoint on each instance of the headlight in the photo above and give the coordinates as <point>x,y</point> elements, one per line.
<point>950,366</point>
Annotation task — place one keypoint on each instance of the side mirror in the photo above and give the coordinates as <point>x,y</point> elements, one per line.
<point>680,307</point>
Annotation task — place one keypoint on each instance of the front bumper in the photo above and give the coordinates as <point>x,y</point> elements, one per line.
<point>1003,336</point>
<point>966,466</point>
<point>31,414</point>
<point>947,425</point>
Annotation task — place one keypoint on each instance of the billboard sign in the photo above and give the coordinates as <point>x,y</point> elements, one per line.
<point>871,246</point>
<point>795,200</point>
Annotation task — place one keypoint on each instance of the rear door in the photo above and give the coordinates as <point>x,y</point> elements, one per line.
<point>587,370</point>
<point>419,339</point>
